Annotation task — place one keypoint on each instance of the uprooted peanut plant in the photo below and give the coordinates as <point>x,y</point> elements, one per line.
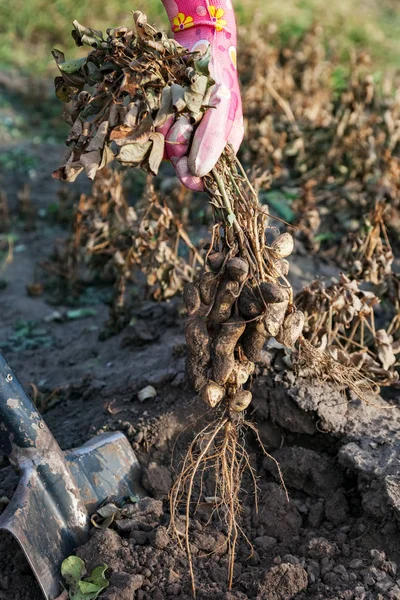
<point>242,296</point>
<point>239,296</point>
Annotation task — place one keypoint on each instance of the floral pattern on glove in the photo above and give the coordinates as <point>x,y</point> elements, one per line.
<point>216,15</point>
<point>181,22</point>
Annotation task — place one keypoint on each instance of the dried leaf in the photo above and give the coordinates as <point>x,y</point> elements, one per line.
<point>130,83</point>
<point>91,162</point>
<point>157,152</point>
<point>63,91</point>
<point>134,154</point>
<point>58,56</point>
<point>165,110</point>
<point>97,142</point>
<point>195,94</point>
<point>178,97</point>
<point>132,115</point>
<point>107,157</point>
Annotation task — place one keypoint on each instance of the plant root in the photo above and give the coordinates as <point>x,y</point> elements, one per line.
<point>219,446</point>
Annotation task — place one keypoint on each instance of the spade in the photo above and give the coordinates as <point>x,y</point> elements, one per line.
<point>49,513</point>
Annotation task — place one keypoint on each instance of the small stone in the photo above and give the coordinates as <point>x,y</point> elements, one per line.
<point>152,507</point>
<point>377,574</point>
<point>353,577</point>
<point>394,593</point>
<point>391,567</point>
<point>326,565</point>
<point>313,567</point>
<point>174,589</point>
<point>210,543</point>
<point>330,578</point>
<point>147,393</point>
<point>123,586</point>
<point>316,515</point>
<point>254,559</point>
<point>341,570</point>
<point>346,550</point>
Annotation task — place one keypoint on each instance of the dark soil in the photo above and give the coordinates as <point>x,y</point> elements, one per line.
<point>337,537</point>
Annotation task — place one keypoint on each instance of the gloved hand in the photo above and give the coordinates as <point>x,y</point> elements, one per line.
<point>198,24</point>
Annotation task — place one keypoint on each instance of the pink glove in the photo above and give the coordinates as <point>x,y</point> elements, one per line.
<point>196,25</point>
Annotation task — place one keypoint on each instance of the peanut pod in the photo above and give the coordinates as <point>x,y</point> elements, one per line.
<point>291,329</point>
<point>273,292</point>
<point>215,261</point>
<point>282,266</point>
<point>212,393</point>
<point>240,401</point>
<point>237,269</point>
<point>249,304</point>
<point>241,372</point>
<point>224,349</point>
<point>198,344</point>
<point>208,286</point>
<point>191,298</point>
<point>283,245</point>
<point>227,293</point>
<point>254,339</point>
<point>274,317</point>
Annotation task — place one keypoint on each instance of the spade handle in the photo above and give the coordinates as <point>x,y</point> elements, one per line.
<point>22,428</point>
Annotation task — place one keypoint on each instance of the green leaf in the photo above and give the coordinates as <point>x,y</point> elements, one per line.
<point>325,236</point>
<point>88,588</point>
<point>85,35</point>
<point>279,204</point>
<point>98,578</point>
<point>71,66</point>
<point>72,569</point>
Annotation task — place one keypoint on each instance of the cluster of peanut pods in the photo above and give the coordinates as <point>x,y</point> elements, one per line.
<point>230,317</point>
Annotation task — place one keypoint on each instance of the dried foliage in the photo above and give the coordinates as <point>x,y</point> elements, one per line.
<point>332,136</point>
<point>341,317</point>
<point>330,131</point>
<point>367,255</point>
<point>139,79</point>
<point>111,241</point>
